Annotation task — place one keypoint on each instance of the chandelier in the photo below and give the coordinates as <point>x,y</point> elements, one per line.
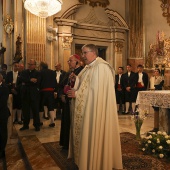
<point>43,8</point>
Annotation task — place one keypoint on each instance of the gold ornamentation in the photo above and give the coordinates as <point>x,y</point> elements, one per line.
<point>118,46</point>
<point>8,25</point>
<point>67,40</point>
<point>94,3</point>
<point>165,5</point>
<point>79,116</point>
<point>159,52</point>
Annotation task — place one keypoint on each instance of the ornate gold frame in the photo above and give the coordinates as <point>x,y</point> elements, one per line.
<point>8,25</point>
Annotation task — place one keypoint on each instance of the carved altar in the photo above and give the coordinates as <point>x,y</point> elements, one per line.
<point>157,98</point>
<point>159,57</point>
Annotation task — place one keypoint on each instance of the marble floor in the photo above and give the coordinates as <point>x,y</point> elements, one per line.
<point>48,134</point>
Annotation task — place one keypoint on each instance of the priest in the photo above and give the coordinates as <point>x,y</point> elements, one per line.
<point>95,139</point>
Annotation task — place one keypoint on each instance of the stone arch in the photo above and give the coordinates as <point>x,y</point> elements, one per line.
<point>69,13</point>
<point>109,32</point>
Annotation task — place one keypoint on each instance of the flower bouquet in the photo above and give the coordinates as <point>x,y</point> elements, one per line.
<point>138,117</point>
<point>157,144</point>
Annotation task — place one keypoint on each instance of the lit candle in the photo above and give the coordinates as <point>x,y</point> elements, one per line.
<point>152,82</point>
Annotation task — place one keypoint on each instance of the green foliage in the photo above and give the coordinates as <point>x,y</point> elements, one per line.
<point>156,144</point>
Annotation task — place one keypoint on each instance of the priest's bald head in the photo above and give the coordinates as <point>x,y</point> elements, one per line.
<point>89,53</point>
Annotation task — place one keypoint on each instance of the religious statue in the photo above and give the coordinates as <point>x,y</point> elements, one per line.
<point>18,55</point>
<point>2,49</point>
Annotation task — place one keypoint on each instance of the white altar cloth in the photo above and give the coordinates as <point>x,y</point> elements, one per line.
<point>157,98</point>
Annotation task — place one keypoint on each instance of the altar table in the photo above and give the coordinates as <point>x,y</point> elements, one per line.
<point>157,98</point>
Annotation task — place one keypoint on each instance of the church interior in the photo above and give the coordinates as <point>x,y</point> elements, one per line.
<point>125,32</point>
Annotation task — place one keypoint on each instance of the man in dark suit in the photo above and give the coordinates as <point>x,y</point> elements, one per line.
<point>142,80</point>
<point>48,85</point>
<point>120,96</point>
<point>129,81</point>
<point>30,95</point>
<point>60,74</point>
<point>4,114</point>
<point>75,69</point>
<point>11,81</point>
<point>4,71</point>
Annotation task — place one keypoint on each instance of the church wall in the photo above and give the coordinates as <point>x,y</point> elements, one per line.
<point>53,48</point>
<point>92,35</point>
<point>154,22</point>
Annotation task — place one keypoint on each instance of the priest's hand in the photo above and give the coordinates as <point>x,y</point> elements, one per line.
<point>71,93</point>
<point>72,77</point>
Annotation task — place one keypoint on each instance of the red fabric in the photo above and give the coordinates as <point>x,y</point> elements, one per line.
<point>77,56</point>
<point>139,85</point>
<point>66,88</point>
<point>119,87</point>
<point>47,89</point>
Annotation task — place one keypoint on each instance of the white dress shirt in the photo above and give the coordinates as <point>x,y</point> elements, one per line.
<point>58,73</point>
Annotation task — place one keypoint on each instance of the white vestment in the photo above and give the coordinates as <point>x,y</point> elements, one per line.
<point>94,138</point>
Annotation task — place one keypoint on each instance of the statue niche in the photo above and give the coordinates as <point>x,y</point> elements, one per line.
<point>18,55</point>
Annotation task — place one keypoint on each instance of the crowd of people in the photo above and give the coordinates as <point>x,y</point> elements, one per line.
<point>128,84</point>
<point>85,96</point>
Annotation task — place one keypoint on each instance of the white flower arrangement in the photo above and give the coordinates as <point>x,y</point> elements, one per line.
<point>157,144</point>
<point>139,115</point>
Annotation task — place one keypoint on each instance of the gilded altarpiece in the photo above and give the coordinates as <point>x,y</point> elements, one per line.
<point>159,52</point>
<point>159,56</point>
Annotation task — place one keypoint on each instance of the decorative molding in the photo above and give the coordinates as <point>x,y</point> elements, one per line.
<point>165,5</point>
<point>94,3</point>
<point>116,17</point>
<point>67,40</point>
<point>118,46</point>
<point>70,12</point>
<point>8,25</point>
<point>92,19</point>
